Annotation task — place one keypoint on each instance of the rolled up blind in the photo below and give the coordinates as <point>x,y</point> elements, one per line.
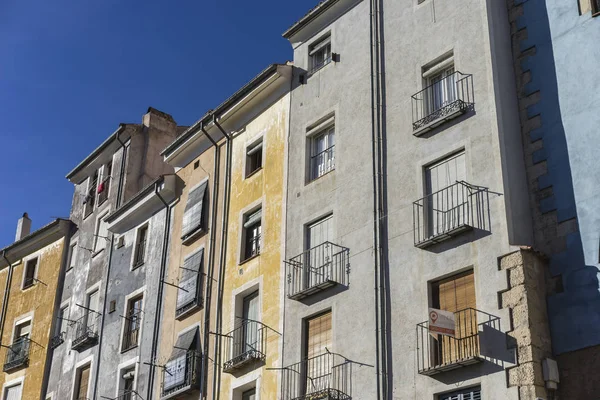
<point>192,217</point>
<point>190,278</point>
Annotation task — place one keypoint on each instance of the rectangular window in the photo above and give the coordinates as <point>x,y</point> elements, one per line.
<point>104,185</point>
<point>189,293</point>
<point>82,380</point>
<point>193,220</point>
<point>322,154</point>
<point>30,273</point>
<point>182,366</point>
<point>91,313</point>
<point>447,205</point>
<point>101,234</point>
<point>251,326</point>
<point>133,319</point>
<point>249,394</point>
<point>456,294</point>
<point>318,335</point>
<point>254,158</point>
<point>140,246</point>
<point>127,384</point>
<point>465,394</point>
<point>90,196</point>
<point>72,256</point>
<point>13,392</point>
<point>252,232</point>
<point>62,322</point>
<point>320,53</point>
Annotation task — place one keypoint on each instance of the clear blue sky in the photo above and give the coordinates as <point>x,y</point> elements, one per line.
<point>71,71</point>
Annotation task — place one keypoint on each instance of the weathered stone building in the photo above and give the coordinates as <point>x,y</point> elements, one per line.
<point>109,177</point>
<point>31,274</point>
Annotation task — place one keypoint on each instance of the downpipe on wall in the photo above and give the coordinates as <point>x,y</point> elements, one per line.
<point>6,295</point>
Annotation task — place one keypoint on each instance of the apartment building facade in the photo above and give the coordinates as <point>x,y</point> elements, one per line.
<point>109,177</point>
<point>31,273</point>
<point>556,58</point>
<point>407,199</point>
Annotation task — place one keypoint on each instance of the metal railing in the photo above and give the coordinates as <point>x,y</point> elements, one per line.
<point>322,163</point>
<point>442,100</point>
<point>17,354</point>
<point>196,298</point>
<point>438,353</point>
<point>86,331</point>
<point>57,340</point>
<point>328,376</point>
<point>140,253</point>
<point>177,379</point>
<point>245,344</point>
<point>252,247</point>
<point>447,212</point>
<point>132,329</point>
<point>316,269</point>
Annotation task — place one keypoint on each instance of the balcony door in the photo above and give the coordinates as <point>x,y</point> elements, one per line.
<point>319,253</point>
<point>251,326</point>
<point>93,303</point>
<point>442,90</point>
<point>446,201</point>
<point>83,380</point>
<point>457,294</point>
<point>318,366</point>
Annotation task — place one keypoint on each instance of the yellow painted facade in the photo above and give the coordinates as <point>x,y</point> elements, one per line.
<point>265,189</point>
<point>36,303</point>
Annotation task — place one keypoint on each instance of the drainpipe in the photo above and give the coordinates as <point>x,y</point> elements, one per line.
<point>123,160</point>
<point>211,267</point>
<point>6,294</point>
<point>158,312</point>
<point>222,261</point>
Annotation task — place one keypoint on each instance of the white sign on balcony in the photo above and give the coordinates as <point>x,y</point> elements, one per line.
<point>442,322</point>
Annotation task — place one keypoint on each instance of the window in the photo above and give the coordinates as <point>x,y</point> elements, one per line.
<point>193,220</point>
<point>318,335</point>
<point>319,265</point>
<point>30,273</point>
<point>250,326</point>
<point>249,394</point>
<point>446,203</point>
<point>182,368</point>
<point>91,313</point>
<point>441,84</point>
<point>456,294</point>
<point>595,8</point>
<point>72,256</point>
<point>322,155</point>
<point>465,394</point>
<point>188,294</point>
<point>251,233</point>
<point>133,319</point>
<point>254,158</point>
<point>127,384</point>
<point>104,186</point>
<point>140,246</point>
<point>61,323</point>
<point>101,235</point>
<point>320,53</point>
<point>13,392</point>
<point>82,380</point>
<point>90,196</point>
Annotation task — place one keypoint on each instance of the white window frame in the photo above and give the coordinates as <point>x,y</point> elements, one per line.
<point>252,143</point>
<point>101,172</point>
<point>132,265</point>
<point>37,256</point>
<point>134,364</point>
<point>65,304</point>
<point>73,245</point>
<point>141,291</point>
<point>81,364</point>
<point>319,45</point>
<point>12,383</point>
<point>20,321</point>
<point>97,232</point>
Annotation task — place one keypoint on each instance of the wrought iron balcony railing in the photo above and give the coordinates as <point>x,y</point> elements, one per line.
<point>17,354</point>
<point>322,163</point>
<point>86,331</point>
<point>324,377</point>
<point>441,101</point>
<point>57,340</point>
<point>317,269</point>
<point>444,353</point>
<point>182,377</point>
<point>246,344</point>
<point>448,212</point>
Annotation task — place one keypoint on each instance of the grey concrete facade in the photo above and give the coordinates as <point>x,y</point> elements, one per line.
<point>415,35</point>
<point>140,144</point>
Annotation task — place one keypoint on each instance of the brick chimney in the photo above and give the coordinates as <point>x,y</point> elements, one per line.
<point>23,227</point>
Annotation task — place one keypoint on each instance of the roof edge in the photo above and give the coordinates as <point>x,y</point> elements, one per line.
<point>137,197</point>
<point>44,229</point>
<point>309,17</point>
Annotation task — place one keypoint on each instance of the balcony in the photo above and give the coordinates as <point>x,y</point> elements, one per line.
<point>57,340</point>
<point>86,332</point>
<point>17,354</point>
<point>317,269</point>
<point>439,353</point>
<point>182,376</point>
<point>245,345</point>
<point>449,212</point>
<point>442,101</point>
<point>325,377</point>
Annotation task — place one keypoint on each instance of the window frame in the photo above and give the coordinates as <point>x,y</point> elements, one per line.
<point>183,310</point>
<point>97,226</point>
<point>135,263</point>
<point>250,157</point>
<point>188,237</point>
<point>327,131</point>
<point>73,250</point>
<point>26,263</point>
<point>130,299</point>
<point>320,46</point>
<point>77,380</point>
<point>106,181</point>
<point>91,188</point>
<point>256,238</point>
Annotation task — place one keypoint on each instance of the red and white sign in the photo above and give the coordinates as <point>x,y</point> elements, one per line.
<point>442,322</point>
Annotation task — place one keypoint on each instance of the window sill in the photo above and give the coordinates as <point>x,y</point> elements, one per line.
<point>314,71</point>
<point>123,351</point>
<point>24,288</point>
<point>193,235</point>
<point>244,261</point>
<point>184,314</point>
<point>321,176</point>
<point>136,266</point>
<point>251,174</point>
